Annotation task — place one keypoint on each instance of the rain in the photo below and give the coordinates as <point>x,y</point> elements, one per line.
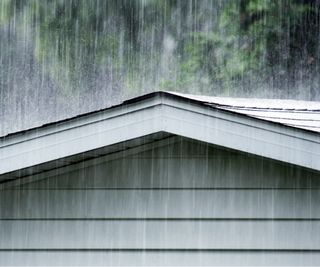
<point>62,58</point>
<point>219,166</point>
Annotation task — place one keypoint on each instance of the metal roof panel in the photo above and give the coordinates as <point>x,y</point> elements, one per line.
<point>293,113</point>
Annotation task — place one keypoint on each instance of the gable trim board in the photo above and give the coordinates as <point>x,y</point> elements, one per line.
<point>130,148</point>
<point>159,112</point>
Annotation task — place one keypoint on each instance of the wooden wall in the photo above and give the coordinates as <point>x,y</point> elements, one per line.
<point>185,203</point>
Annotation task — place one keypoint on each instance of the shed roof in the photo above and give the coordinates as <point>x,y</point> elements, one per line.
<point>283,130</point>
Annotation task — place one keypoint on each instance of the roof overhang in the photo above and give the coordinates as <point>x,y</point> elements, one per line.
<point>155,114</point>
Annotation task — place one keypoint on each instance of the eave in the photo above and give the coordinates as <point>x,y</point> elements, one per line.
<point>155,114</point>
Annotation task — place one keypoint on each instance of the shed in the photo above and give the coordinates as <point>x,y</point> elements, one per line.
<point>165,179</point>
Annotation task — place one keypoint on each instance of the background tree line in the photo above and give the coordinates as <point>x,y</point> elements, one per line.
<point>92,53</point>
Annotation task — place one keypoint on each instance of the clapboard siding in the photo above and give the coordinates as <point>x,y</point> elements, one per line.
<point>219,172</point>
<point>160,234</point>
<point>161,203</point>
<point>185,203</point>
<point>160,258</point>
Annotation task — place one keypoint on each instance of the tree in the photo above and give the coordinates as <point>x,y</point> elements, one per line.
<point>208,46</point>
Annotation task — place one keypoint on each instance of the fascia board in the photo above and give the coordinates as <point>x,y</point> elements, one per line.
<point>75,137</point>
<point>80,120</point>
<point>202,107</point>
<point>89,162</point>
<point>242,133</point>
<point>160,113</point>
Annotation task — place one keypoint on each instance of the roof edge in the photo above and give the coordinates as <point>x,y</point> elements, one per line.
<point>159,112</point>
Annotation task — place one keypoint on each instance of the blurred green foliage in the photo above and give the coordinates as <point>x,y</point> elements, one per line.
<point>205,46</point>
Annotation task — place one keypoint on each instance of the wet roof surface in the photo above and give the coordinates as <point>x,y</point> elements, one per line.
<point>294,113</point>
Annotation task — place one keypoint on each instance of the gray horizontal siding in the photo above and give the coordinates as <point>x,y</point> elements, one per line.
<point>161,203</point>
<point>160,234</point>
<point>185,204</point>
<point>160,258</point>
<point>198,172</point>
